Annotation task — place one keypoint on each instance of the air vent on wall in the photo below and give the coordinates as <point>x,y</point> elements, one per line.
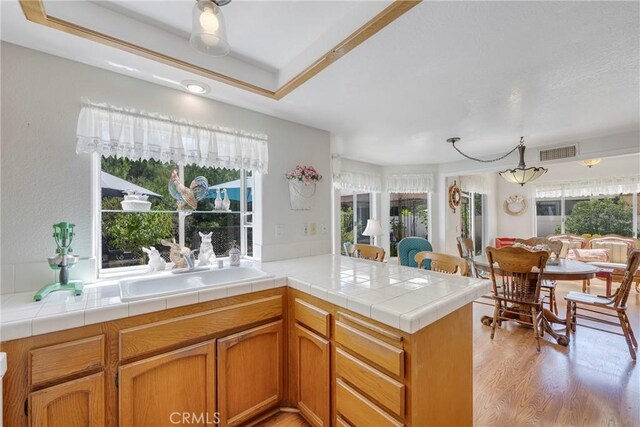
<point>558,153</point>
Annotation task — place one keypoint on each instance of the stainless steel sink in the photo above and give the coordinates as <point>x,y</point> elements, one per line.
<point>170,284</point>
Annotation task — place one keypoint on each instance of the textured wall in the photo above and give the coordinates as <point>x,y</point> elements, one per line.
<point>43,181</point>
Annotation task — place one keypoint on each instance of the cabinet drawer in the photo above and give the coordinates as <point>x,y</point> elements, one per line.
<point>340,422</point>
<point>172,332</point>
<point>358,410</point>
<point>377,351</point>
<point>69,358</point>
<point>380,387</point>
<point>312,317</point>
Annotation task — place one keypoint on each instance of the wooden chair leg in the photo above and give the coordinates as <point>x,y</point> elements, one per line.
<point>625,330</point>
<point>534,317</point>
<point>496,311</point>
<point>569,318</point>
<point>633,337</point>
<point>554,308</point>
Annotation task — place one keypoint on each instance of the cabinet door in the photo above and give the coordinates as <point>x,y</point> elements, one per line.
<point>312,376</point>
<point>250,373</point>
<point>169,389</point>
<point>75,403</point>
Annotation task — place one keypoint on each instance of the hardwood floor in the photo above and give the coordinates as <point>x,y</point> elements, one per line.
<point>591,382</point>
<point>284,419</point>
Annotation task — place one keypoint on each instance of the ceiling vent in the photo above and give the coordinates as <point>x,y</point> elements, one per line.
<point>559,153</point>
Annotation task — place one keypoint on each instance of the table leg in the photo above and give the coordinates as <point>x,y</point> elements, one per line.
<point>547,319</point>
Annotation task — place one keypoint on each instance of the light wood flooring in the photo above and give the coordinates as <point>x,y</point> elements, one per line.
<point>592,382</point>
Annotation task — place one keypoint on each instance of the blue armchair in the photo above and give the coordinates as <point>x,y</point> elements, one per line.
<point>409,247</point>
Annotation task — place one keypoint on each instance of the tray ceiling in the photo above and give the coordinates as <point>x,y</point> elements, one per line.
<point>276,46</point>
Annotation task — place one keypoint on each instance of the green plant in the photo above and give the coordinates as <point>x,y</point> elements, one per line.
<point>129,231</point>
<point>601,216</point>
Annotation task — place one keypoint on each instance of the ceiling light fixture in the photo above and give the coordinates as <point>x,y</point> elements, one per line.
<point>195,87</point>
<point>519,175</point>
<point>208,31</point>
<point>591,162</point>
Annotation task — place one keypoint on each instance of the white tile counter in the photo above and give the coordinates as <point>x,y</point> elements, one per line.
<point>402,297</point>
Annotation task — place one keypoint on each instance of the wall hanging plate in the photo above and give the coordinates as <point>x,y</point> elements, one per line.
<point>515,205</point>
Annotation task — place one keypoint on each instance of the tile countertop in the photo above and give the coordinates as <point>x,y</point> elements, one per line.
<point>402,297</point>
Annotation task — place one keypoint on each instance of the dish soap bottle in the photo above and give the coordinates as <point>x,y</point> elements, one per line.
<point>234,255</point>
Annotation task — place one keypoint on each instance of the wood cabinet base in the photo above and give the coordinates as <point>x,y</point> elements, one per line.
<point>233,360</point>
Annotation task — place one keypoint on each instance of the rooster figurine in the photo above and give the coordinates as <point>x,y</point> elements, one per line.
<point>188,195</point>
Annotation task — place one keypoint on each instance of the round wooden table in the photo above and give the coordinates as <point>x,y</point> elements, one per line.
<point>566,270</point>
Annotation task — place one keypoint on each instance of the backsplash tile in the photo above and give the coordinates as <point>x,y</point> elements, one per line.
<point>32,276</point>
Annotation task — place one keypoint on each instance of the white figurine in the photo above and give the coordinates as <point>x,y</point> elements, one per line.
<point>176,254</point>
<point>206,254</point>
<point>226,203</point>
<point>156,263</point>
<point>217,204</point>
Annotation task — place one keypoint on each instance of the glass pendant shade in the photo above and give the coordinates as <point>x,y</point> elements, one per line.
<point>591,162</point>
<point>522,174</point>
<point>208,32</point>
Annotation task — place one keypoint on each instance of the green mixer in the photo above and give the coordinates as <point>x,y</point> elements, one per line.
<point>63,261</point>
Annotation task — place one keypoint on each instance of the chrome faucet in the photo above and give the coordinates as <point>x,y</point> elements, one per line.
<point>190,258</point>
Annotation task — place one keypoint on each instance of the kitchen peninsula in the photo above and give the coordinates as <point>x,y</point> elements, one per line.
<point>344,341</point>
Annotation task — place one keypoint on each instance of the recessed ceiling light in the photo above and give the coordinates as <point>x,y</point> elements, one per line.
<point>195,87</point>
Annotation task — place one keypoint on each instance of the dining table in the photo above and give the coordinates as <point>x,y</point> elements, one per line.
<point>566,269</point>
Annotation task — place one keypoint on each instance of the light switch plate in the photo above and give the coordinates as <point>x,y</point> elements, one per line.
<point>279,231</point>
<point>313,229</point>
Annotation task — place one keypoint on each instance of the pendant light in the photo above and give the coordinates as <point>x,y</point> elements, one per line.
<point>208,31</point>
<point>520,175</point>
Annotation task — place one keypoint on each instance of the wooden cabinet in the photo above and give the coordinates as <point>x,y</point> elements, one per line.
<point>161,390</point>
<point>312,376</point>
<point>250,373</point>
<point>77,403</point>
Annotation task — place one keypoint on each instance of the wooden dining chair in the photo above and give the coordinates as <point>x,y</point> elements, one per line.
<point>547,286</point>
<point>515,273</point>
<point>443,263</point>
<point>466,250</point>
<point>374,253</point>
<point>614,306</point>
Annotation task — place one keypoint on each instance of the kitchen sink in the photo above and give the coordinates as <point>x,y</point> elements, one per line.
<point>157,286</point>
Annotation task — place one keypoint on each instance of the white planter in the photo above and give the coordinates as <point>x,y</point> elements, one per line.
<point>301,195</point>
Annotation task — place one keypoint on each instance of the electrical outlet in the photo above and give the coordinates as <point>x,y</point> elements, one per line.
<point>279,231</point>
<point>313,229</point>
<point>323,229</point>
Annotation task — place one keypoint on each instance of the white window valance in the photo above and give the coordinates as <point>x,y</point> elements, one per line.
<point>409,183</point>
<point>594,187</point>
<point>136,135</point>
<point>474,184</point>
<point>358,181</point>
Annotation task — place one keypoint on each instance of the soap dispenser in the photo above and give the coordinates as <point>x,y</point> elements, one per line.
<point>234,255</point>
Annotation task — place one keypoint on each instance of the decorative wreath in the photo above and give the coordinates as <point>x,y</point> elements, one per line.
<point>516,199</point>
<point>454,196</point>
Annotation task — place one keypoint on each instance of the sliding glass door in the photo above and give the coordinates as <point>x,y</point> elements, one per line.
<point>355,210</point>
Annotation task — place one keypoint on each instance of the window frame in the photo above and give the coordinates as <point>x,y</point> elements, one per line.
<point>245,224</point>
<point>563,216</point>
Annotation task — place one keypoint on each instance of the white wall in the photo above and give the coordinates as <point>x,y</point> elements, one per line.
<point>43,181</point>
<point>523,225</point>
